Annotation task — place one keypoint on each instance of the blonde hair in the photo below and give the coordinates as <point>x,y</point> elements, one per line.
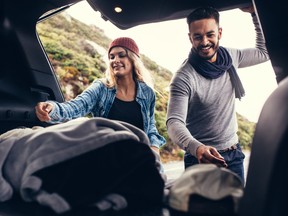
<point>140,73</point>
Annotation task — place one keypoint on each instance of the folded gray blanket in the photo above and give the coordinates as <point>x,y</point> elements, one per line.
<point>28,150</point>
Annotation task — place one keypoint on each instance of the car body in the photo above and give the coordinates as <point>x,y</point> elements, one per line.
<point>27,77</point>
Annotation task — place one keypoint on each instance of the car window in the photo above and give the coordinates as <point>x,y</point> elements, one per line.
<point>76,42</point>
<point>167,44</point>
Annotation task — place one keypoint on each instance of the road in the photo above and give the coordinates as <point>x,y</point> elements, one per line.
<point>174,169</point>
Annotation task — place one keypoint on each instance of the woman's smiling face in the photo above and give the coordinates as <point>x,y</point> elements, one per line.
<point>119,62</point>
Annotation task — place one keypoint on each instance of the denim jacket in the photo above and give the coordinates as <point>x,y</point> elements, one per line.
<point>97,99</point>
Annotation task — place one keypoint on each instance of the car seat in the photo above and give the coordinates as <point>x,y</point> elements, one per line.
<point>266,189</point>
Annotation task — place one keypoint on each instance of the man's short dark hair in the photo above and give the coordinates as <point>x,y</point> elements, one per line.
<point>203,13</point>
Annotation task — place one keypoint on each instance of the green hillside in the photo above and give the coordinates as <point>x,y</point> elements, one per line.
<point>74,50</point>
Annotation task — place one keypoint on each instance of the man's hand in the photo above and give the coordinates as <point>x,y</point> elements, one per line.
<point>42,111</point>
<point>208,154</point>
<point>249,9</point>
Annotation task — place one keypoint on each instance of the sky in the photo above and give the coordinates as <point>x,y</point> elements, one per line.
<point>168,45</point>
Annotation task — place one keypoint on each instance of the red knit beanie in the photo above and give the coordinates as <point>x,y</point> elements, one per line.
<point>125,42</point>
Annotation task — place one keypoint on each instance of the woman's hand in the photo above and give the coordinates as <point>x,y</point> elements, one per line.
<point>42,111</point>
<point>154,148</point>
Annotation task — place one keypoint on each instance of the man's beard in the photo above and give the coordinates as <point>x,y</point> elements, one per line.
<point>197,50</point>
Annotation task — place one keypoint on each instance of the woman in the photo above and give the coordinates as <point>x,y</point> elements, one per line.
<point>122,95</point>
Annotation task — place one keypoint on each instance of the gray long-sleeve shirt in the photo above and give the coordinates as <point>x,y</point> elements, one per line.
<point>201,111</point>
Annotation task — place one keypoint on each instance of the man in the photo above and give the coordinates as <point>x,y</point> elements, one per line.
<point>201,115</point>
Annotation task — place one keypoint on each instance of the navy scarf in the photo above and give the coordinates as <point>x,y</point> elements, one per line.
<point>216,69</point>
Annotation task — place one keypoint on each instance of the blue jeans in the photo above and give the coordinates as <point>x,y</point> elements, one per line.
<point>233,158</point>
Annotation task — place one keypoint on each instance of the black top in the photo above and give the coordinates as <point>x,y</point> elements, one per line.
<point>127,111</point>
